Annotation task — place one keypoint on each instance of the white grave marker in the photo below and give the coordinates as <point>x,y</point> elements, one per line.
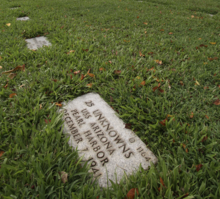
<point>23,18</point>
<point>102,139</point>
<point>37,42</point>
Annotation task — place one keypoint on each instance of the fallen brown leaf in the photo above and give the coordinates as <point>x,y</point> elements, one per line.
<point>85,50</point>
<point>12,95</point>
<point>207,116</point>
<point>64,176</point>
<point>191,115</point>
<point>217,102</point>
<point>101,69</point>
<point>163,122</point>
<point>211,59</point>
<point>198,167</point>
<point>141,55</point>
<point>131,193</point>
<point>57,104</point>
<point>143,83</point>
<point>155,88</point>
<point>76,72</point>
<point>22,86</point>
<point>47,121</point>
<point>1,153</point>
<point>82,77</point>
<point>71,51</point>
<point>161,181</point>
<point>185,195</point>
<point>22,68</point>
<point>91,75</point>
<point>161,90</point>
<point>12,75</point>
<point>204,138</point>
<point>117,72</point>
<point>89,85</point>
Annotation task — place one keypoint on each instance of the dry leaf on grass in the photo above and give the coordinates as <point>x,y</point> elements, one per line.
<point>204,138</point>
<point>198,167</point>
<point>12,95</point>
<point>71,51</point>
<point>57,104</point>
<point>158,62</point>
<point>197,83</point>
<point>82,77</point>
<point>0,67</point>
<point>131,193</point>
<point>89,85</point>
<point>217,102</point>
<point>76,72</point>
<point>163,122</point>
<point>207,116</point>
<point>184,146</point>
<point>12,75</point>
<point>1,153</point>
<point>191,115</point>
<point>117,72</point>
<point>64,176</point>
<point>91,75</point>
<point>162,183</point>
<point>101,69</point>
<point>8,24</point>
<point>143,83</point>
<point>141,55</point>
<point>22,68</point>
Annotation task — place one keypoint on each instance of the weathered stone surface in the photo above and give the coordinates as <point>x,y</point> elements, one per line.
<point>102,139</point>
<point>23,18</point>
<point>37,42</point>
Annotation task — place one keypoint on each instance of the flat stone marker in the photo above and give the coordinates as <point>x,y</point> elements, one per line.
<point>23,18</point>
<point>102,139</point>
<point>37,42</point>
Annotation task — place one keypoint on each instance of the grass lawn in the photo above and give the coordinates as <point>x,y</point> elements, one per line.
<point>155,62</point>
